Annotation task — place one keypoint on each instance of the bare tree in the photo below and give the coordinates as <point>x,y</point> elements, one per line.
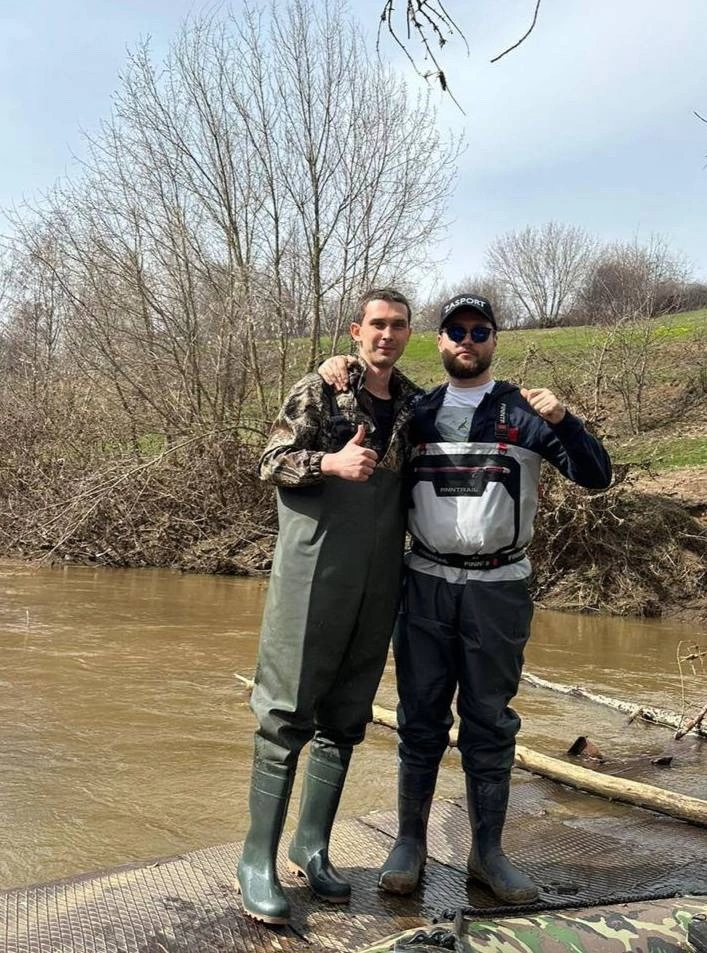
<point>542,269</point>
<point>367,173</point>
<point>634,343</point>
<point>32,325</point>
<point>634,280</point>
<point>261,179</point>
<point>628,285</point>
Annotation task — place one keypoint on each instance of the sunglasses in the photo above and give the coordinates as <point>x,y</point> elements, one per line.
<point>478,333</point>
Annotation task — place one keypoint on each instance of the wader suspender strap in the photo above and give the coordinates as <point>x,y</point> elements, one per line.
<point>339,425</point>
<point>330,394</point>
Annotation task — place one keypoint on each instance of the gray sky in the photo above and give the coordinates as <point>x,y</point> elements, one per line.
<point>590,122</point>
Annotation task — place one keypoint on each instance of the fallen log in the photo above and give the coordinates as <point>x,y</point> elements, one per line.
<point>647,796</point>
<point>655,716</point>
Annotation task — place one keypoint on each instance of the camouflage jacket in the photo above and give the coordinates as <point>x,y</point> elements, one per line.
<point>315,420</point>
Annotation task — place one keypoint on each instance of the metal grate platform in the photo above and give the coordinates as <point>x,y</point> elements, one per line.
<point>580,849</point>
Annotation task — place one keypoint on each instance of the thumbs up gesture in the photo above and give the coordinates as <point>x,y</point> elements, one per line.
<point>353,461</point>
<point>544,403</point>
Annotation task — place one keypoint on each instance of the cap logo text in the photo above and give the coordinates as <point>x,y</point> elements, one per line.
<point>472,302</point>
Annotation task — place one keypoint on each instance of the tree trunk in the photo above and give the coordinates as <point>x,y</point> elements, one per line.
<point>648,796</point>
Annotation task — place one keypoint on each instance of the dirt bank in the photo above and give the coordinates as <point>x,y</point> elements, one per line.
<point>688,488</point>
<point>636,549</point>
<point>639,548</point>
<point>687,485</point>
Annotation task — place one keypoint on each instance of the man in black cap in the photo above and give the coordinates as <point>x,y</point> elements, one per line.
<point>477,446</point>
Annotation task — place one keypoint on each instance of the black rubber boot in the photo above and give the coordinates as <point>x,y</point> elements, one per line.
<point>403,867</point>
<point>257,880</point>
<point>487,802</point>
<point>309,849</point>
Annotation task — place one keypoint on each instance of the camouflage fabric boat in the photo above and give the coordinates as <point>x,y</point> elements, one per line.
<point>674,925</point>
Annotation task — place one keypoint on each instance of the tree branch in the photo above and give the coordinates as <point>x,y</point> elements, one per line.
<point>430,20</point>
<point>523,38</point>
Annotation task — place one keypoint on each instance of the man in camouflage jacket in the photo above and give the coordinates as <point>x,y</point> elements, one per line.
<point>336,462</point>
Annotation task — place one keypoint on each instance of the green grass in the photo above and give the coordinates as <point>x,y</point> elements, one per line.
<point>513,345</point>
<point>667,453</point>
<point>565,360</point>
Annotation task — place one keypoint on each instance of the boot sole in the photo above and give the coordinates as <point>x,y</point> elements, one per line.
<point>529,897</point>
<point>300,872</point>
<point>398,884</point>
<point>261,917</point>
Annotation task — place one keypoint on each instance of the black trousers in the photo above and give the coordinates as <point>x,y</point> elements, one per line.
<point>469,637</point>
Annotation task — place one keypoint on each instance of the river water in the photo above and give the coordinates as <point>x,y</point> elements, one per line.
<point>126,735</point>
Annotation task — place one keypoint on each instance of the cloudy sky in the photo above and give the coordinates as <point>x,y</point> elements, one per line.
<point>591,122</point>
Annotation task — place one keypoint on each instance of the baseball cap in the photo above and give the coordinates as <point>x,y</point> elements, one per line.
<point>466,302</point>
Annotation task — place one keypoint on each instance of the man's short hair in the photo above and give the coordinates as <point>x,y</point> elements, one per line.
<point>383,294</point>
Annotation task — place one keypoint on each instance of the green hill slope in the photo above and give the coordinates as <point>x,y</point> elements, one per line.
<point>642,385</point>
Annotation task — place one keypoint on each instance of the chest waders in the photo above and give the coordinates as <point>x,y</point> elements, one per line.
<point>472,637</point>
<point>469,636</point>
<point>329,614</point>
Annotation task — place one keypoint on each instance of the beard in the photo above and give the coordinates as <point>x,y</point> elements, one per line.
<point>462,371</point>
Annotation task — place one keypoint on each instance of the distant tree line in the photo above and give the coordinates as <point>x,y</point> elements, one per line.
<point>553,274</point>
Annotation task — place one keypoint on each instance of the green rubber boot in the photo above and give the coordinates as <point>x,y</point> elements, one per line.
<point>403,867</point>
<point>487,802</point>
<point>257,880</point>
<point>309,849</point>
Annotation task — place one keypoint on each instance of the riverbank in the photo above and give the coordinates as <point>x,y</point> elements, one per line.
<point>639,549</point>
<point>636,549</point>
<point>192,502</point>
<point>686,487</point>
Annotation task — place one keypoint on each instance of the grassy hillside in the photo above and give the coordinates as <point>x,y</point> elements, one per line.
<point>657,368</point>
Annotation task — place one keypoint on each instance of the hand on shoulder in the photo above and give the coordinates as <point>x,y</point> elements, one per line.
<point>335,371</point>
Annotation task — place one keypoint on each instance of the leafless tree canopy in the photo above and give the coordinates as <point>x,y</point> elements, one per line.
<point>241,195</point>
<point>633,279</point>
<point>558,274</point>
<point>227,216</point>
<point>541,269</point>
